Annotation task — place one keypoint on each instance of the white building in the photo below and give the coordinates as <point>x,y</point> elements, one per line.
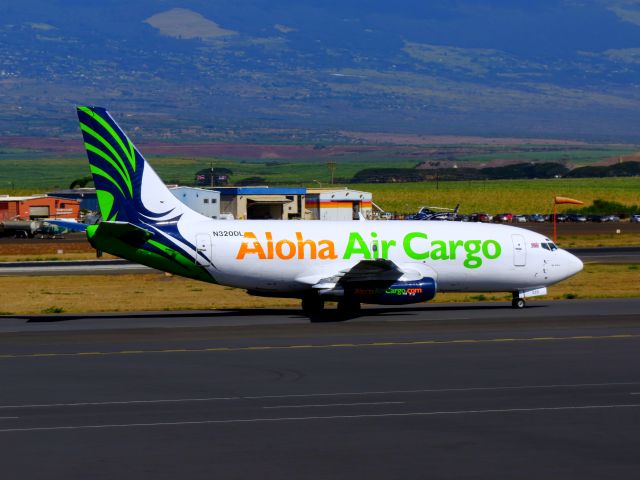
<point>340,204</point>
<point>206,202</point>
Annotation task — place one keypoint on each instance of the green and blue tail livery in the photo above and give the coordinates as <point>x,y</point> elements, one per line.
<point>128,189</point>
<point>131,193</point>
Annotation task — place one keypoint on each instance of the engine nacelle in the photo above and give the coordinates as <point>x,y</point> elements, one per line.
<point>398,293</point>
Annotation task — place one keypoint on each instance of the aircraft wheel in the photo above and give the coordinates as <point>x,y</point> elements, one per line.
<point>348,308</point>
<point>312,305</point>
<point>518,303</point>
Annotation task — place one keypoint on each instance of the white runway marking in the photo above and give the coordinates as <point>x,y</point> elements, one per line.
<point>329,394</point>
<point>337,405</point>
<point>332,417</point>
<point>445,390</point>
<point>123,402</point>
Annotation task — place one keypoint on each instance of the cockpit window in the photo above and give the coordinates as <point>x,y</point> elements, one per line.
<point>553,246</point>
<point>549,246</point>
<point>545,246</point>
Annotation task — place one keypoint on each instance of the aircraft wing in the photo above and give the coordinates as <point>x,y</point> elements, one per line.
<point>363,272</point>
<point>370,271</point>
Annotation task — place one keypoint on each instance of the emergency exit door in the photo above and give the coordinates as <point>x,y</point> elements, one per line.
<point>519,251</point>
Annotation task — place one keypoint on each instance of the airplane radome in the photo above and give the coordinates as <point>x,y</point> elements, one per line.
<point>380,262</point>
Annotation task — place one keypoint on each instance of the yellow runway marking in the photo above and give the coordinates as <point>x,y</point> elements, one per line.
<point>326,346</point>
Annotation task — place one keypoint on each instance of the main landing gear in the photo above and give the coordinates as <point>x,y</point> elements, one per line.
<point>313,307</point>
<point>517,301</point>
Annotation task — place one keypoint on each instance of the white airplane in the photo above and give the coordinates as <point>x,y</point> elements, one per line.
<point>379,262</point>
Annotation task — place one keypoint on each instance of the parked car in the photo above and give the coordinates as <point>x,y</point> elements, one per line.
<point>576,217</point>
<point>611,218</point>
<point>560,217</point>
<point>503,217</point>
<point>480,217</point>
<point>635,218</point>
<point>536,217</point>
<point>520,218</point>
<point>595,218</point>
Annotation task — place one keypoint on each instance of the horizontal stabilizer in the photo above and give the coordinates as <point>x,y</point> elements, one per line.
<point>124,231</point>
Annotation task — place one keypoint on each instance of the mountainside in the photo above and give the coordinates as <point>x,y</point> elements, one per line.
<point>215,69</point>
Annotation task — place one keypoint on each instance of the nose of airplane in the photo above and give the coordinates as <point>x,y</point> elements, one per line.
<point>574,264</point>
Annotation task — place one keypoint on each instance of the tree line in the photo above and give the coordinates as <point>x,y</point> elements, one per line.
<point>506,172</point>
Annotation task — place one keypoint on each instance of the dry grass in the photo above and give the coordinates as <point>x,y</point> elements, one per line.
<point>154,292</point>
<point>595,281</point>
<point>119,293</point>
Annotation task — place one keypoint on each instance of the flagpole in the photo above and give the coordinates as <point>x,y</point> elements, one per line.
<point>556,201</point>
<point>555,219</point>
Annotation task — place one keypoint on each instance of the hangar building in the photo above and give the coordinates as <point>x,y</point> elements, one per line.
<point>206,202</point>
<point>341,204</point>
<point>263,202</point>
<point>37,207</point>
<point>86,196</point>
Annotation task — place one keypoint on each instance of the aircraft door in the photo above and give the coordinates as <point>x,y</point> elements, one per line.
<point>203,249</point>
<point>519,251</point>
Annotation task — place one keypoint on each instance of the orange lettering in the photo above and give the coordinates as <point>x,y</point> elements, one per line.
<point>269,245</point>
<point>302,243</point>
<point>328,250</point>
<point>246,250</point>
<point>280,249</point>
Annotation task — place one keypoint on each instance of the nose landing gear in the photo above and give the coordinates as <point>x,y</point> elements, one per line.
<point>518,301</point>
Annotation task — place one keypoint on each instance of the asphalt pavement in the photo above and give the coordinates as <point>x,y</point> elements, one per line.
<point>461,391</point>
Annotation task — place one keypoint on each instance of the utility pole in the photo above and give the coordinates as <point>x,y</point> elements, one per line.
<point>332,169</point>
<point>211,174</point>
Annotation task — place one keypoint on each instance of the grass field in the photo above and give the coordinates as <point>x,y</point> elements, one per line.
<point>493,196</point>
<point>157,292</point>
<point>22,176</point>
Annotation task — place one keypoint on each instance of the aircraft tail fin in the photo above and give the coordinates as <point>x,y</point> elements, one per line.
<point>128,189</point>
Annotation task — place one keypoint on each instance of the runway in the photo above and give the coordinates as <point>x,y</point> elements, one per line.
<point>461,391</point>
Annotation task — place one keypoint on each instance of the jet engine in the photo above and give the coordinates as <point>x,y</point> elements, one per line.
<point>397,293</point>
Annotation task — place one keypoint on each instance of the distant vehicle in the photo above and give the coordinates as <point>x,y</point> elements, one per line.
<point>635,218</point>
<point>595,218</point>
<point>19,228</point>
<point>536,217</point>
<point>611,218</point>
<point>520,218</point>
<point>436,213</point>
<point>480,217</point>
<point>503,217</point>
<point>560,217</point>
<point>576,217</point>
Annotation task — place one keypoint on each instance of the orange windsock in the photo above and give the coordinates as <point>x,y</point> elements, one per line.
<point>561,200</point>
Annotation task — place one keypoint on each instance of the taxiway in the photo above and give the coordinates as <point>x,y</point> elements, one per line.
<point>461,391</point>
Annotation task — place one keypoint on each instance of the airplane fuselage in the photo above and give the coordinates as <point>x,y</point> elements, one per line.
<point>284,256</point>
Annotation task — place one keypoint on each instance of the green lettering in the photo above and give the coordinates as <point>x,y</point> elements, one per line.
<point>453,246</point>
<point>472,247</point>
<point>496,249</point>
<point>408,249</point>
<point>386,244</point>
<point>439,251</point>
<point>356,246</point>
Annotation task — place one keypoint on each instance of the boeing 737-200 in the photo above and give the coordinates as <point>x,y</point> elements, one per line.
<point>351,262</point>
